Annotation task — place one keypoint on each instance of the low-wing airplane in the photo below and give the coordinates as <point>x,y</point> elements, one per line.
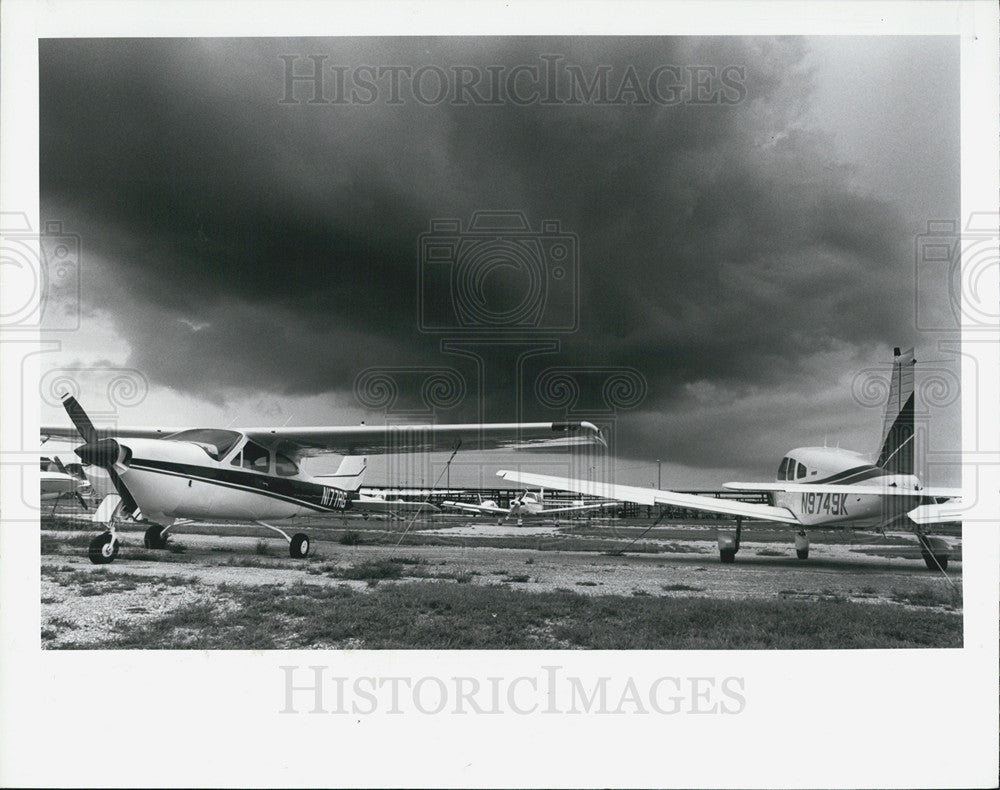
<point>530,504</point>
<point>168,477</point>
<point>59,480</point>
<point>818,486</point>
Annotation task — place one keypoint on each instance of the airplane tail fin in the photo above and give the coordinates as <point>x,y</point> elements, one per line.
<point>349,474</point>
<point>896,452</point>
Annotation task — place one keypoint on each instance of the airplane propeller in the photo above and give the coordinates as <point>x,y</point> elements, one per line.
<point>105,453</point>
<point>516,505</point>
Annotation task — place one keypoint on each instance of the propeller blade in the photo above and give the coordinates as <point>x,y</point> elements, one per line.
<point>80,419</point>
<point>127,499</point>
<point>100,452</point>
<point>83,502</point>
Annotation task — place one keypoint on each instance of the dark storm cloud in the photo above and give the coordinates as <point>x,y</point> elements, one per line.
<point>246,243</point>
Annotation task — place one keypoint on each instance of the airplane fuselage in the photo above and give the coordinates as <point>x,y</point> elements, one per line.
<point>807,466</point>
<point>173,480</point>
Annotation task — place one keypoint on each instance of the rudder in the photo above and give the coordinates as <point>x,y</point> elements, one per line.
<point>896,451</point>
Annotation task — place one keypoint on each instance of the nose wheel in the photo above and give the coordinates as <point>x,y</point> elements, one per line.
<point>103,549</point>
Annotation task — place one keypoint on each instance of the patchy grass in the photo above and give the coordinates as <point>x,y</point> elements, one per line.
<point>393,568</point>
<point>681,588</point>
<point>262,548</point>
<point>420,615</point>
<point>350,538</point>
<point>770,553</point>
<point>928,596</point>
<point>254,562</point>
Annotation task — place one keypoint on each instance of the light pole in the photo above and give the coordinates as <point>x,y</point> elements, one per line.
<point>658,478</point>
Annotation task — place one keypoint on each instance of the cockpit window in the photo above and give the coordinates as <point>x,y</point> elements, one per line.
<point>214,441</point>
<point>800,471</point>
<point>284,466</point>
<point>783,469</point>
<point>255,458</point>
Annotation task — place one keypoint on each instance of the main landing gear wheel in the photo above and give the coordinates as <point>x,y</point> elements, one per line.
<point>727,556</point>
<point>103,549</point>
<point>299,546</point>
<point>802,545</point>
<point>154,538</point>
<point>935,553</point>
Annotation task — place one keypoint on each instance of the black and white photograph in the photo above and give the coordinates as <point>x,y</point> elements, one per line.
<point>524,380</point>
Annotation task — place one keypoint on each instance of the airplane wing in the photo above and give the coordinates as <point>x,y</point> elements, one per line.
<point>57,483</point>
<point>380,439</point>
<point>577,508</point>
<point>496,511</point>
<point>73,435</point>
<point>653,496</point>
<point>833,488</point>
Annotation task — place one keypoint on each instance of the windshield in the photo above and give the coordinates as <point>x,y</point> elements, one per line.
<point>214,441</point>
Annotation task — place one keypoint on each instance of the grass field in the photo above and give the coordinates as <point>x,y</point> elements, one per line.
<point>432,615</point>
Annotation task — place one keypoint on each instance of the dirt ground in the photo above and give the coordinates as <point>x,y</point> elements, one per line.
<point>82,602</point>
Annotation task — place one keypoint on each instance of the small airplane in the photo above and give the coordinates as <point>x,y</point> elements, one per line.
<point>169,477</point>
<point>529,504</point>
<point>819,486</point>
<point>59,480</point>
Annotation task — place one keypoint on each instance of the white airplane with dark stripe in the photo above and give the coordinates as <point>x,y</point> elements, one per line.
<point>818,486</point>
<point>169,477</point>
<point>530,504</point>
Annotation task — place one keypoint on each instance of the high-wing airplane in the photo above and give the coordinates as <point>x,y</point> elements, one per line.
<point>168,476</point>
<point>819,486</point>
<point>529,504</point>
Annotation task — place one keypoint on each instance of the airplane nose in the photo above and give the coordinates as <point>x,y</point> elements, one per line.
<point>104,452</point>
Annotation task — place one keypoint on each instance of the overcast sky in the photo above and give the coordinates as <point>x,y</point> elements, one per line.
<point>739,238</point>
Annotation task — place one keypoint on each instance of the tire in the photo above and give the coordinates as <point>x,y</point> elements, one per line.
<point>299,547</point>
<point>935,561</point>
<point>154,539</point>
<point>103,549</point>
<point>803,554</point>
<point>727,556</point>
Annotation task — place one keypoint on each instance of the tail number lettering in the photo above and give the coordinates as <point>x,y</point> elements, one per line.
<point>333,498</point>
<point>830,504</point>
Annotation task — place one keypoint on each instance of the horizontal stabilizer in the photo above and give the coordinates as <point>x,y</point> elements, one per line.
<point>349,475</point>
<point>936,514</point>
<point>370,504</point>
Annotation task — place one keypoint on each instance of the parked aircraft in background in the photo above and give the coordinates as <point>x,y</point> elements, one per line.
<point>529,505</point>
<point>168,477</point>
<point>59,480</point>
<point>818,487</point>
